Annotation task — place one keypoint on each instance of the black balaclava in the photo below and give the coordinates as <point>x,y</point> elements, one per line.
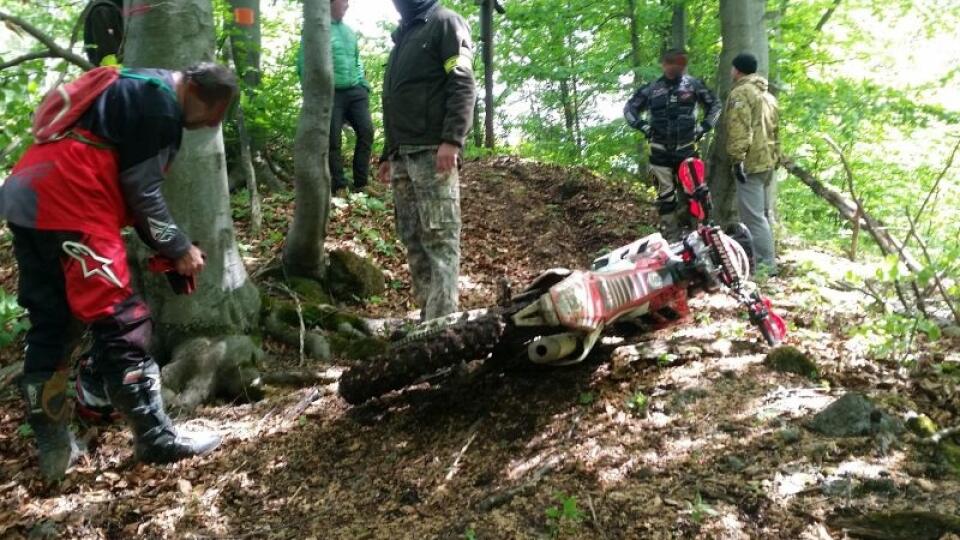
<point>411,9</point>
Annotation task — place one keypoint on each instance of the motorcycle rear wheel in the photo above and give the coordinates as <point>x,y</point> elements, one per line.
<point>422,354</point>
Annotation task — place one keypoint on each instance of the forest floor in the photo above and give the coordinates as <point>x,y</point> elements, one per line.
<point>679,433</point>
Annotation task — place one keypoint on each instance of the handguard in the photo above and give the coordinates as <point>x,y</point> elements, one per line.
<point>771,326</point>
<point>181,284</point>
<point>692,176</point>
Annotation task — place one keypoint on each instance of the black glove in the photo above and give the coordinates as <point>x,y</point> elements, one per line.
<point>739,172</point>
<point>645,129</point>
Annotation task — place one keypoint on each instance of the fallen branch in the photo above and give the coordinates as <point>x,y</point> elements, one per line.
<point>9,373</point>
<point>303,327</point>
<point>939,436</point>
<point>596,521</point>
<point>504,496</point>
<point>47,41</point>
<point>474,429</point>
<point>936,276</point>
<point>848,210</point>
<point>302,405</point>
<point>298,378</point>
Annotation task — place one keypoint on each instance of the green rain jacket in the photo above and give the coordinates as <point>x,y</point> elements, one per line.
<point>347,67</point>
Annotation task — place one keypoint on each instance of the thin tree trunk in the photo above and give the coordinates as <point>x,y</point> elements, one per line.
<point>477,130</point>
<point>303,254</point>
<point>246,156</point>
<point>827,15</point>
<point>743,28</point>
<point>678,25</point>
<point>175,35</point>
<point>578,130</point>
<point>636,55</point>
<point>489,108</point>
<point>567,109</point>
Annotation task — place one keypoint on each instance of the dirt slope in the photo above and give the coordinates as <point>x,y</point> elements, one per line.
<point>683,433</point>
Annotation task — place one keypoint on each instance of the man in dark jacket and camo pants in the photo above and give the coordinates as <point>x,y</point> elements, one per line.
<point>672,129</point>
<point>428,98</point>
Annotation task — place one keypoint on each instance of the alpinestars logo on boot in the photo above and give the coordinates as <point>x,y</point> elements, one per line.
<point>91,263</point>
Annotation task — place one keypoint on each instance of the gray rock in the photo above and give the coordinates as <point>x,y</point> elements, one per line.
<point>841,487</point>
<point>853,415</point>
<point>316,346</point>
<point>735,463</point>
<point>789,435</point>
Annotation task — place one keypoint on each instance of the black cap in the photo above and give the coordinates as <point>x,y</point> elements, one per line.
<point>745,63</point>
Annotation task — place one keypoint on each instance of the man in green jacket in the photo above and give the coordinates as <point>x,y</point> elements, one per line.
<point>753,143</point>
<point>351,101</point>
<point>428,98</point>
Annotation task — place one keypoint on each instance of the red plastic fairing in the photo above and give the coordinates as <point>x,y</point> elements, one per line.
<point>691,174</point>
<point>588,300</point>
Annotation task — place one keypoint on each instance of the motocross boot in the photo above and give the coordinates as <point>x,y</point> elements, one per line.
<point>93,405</point>
<point>48,414</point>
<point>135,393</point>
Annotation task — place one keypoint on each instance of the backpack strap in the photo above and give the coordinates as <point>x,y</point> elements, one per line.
<point>126,73</point>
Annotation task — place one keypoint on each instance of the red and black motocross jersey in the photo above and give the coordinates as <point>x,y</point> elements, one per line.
<point>110,175</point>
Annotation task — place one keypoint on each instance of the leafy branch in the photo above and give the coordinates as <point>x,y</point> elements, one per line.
<point>53,50</point>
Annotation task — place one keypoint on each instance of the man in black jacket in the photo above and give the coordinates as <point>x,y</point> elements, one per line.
<point>673,129</point>
<point>103,31</point>
<point>65,204</point>
<point>428,99</point>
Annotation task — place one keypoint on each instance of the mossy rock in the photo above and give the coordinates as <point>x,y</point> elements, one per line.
<point>922,425</point>
<point>309,291</point>
<point>353,277</point>
<point>322,316</point>
<point>950,454</point>
<point>853,415</point>
<point>909,525</point>
<point>356,348</point>
<point>791,360</point>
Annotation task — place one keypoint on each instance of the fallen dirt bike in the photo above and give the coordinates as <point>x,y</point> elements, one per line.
<point>559,317</point>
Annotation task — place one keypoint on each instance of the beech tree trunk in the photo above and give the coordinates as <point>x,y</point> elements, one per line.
<point>743,29</point>
<point>303,254</point>
<point>678,25</point>
<point>636,55</point>
<point>175,34</point>
<point>489,108</point>
<point>245,38</point>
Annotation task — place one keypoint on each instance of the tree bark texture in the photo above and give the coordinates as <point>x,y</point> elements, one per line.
<point>175,34</point>
<point>743,29</point>
<point>303,254</point>
<point>678,25</point>
<point>489,108</point>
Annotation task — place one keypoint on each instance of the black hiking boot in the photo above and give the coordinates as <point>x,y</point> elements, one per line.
<point>136,394</point>
<point>48,414</point>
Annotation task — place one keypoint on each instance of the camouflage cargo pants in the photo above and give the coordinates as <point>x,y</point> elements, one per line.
<point>671,203</point>
<point>428,223</point>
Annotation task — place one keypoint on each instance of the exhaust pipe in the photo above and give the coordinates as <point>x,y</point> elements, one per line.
<point>552,349</point>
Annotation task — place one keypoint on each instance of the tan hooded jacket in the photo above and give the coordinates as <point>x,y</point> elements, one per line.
<point>752,115</point>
